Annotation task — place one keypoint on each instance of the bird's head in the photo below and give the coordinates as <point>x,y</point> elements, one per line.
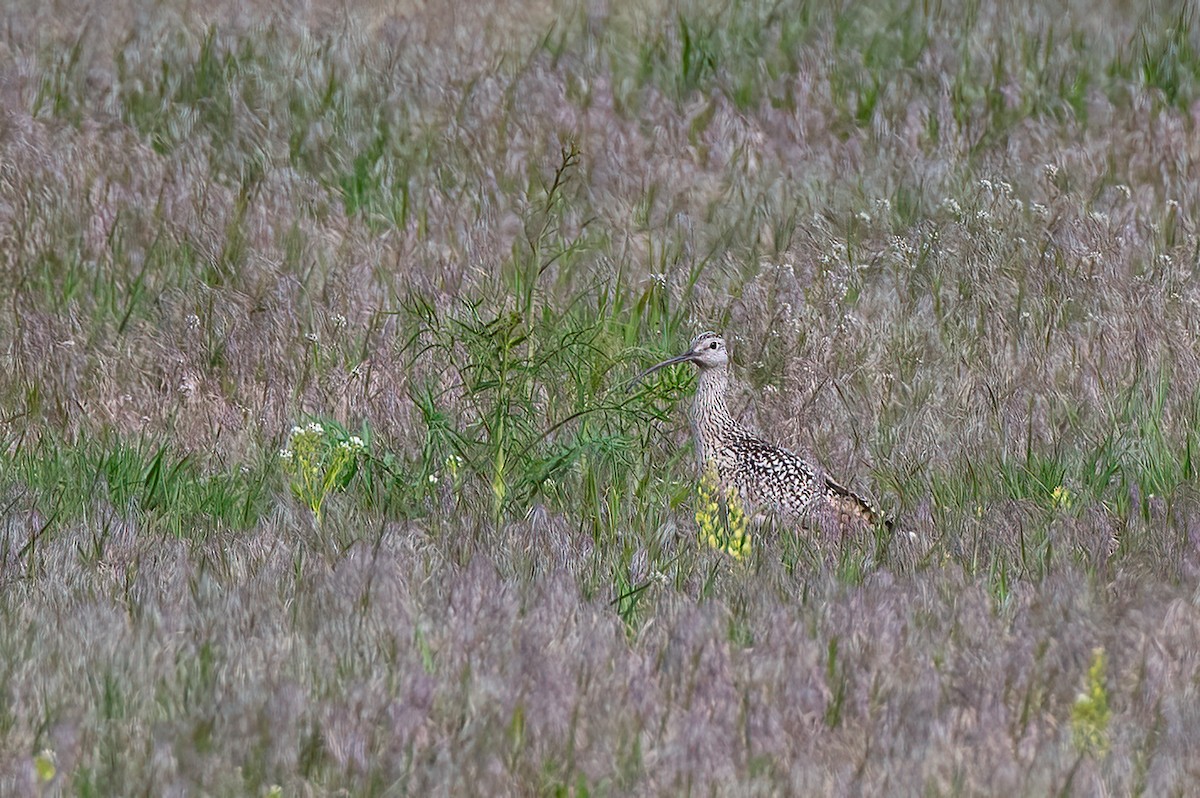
<point>707,351</point>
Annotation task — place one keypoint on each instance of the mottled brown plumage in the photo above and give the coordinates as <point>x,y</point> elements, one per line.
<point>763,474</point>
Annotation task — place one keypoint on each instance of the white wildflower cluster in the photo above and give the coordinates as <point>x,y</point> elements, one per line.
<point>312,338</point>
<point>902,251</point>
<point>1000,190</point>
<point>790,318</point>
<point>1050,171</point>
<point>1039,210</point>
<point>339,321</point>
<point>452,466</point>
<point>659,279</point>
<point>318,465</point>
<point>950,204</point>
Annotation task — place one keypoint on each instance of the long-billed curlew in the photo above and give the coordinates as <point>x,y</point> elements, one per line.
<point>763,474</point>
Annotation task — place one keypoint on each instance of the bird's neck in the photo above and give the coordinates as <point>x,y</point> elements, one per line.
<point>711,420</point>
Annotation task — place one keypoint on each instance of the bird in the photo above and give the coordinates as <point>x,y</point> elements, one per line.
<point>765,475</point>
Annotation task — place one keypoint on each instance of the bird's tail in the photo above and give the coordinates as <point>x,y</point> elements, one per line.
<point>854,508</point>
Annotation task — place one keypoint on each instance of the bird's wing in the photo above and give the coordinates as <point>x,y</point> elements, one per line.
<point>774,476</point>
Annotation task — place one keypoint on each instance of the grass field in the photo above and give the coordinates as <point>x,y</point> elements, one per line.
<point>318,473</point>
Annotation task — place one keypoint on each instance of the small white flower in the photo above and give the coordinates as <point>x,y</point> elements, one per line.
<point>1039,209</point>
<point>433,478</point>
<point>315,428</point>
<point>193,322</point>
<point>312,337</point>
<point>339,321</point>
<point>985,184</point>
<point>297,431</point>
<point>285,455</point>
<point>357,442</point>
<point>1050,170</point>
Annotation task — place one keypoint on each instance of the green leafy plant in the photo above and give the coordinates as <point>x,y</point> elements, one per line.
<point>529,406</point>
<point>320,462</point>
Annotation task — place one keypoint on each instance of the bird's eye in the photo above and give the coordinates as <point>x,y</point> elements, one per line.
<point>713,345</point>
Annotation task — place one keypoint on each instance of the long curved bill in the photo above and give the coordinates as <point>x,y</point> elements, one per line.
<point>684,358</point>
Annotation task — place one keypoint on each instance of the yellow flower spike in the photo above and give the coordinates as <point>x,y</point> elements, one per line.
<point>1090,713</point>
<point>721,518</point>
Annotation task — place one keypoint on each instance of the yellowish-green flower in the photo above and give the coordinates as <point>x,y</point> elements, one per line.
<point>1061,498</point>
<point>721,517</point>
<point>1090,713</point>
<point>46,765</point>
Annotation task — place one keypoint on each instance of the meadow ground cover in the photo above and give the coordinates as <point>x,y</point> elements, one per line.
<point>320,474</point>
